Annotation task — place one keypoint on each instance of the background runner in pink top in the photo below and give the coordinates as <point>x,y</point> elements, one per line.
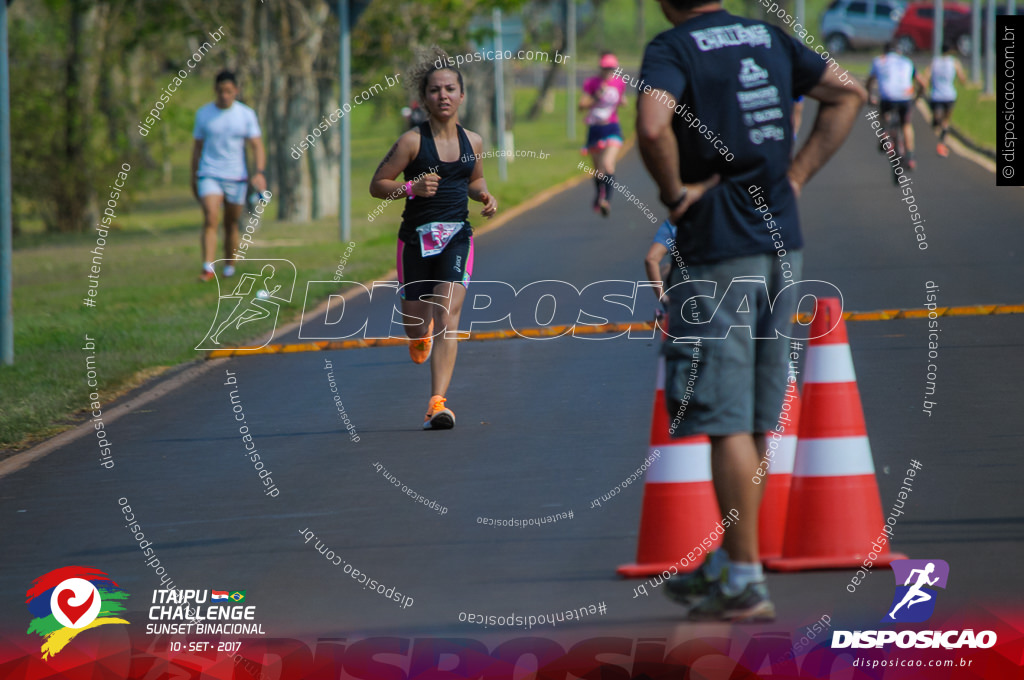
<point>602,97</point>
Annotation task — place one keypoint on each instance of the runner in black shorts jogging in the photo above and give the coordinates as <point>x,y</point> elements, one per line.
<point>440,163</point>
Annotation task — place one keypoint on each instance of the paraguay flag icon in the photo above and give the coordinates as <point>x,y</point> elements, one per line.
<point>69,600</point>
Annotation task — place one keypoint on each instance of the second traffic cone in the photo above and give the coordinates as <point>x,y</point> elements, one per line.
<point>835,513</point>
<point>771,519</point>
<point>679,507</point>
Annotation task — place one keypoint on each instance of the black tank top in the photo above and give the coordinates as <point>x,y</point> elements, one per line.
<point>449,203</point>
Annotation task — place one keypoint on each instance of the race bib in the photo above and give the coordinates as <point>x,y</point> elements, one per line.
<point>434,236</point>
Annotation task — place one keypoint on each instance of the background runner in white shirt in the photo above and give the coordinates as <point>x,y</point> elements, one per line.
<point>898,85</point>
<point>219,174</point>
<point>943,73</point>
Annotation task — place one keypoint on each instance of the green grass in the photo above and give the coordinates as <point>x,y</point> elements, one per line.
<point>150,310</point>
<point>975,116</point>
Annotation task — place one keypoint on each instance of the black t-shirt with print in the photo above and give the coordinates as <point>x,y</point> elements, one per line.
<point>734,81</point>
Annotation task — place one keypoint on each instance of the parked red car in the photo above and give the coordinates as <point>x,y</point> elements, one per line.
<point>914,31</point>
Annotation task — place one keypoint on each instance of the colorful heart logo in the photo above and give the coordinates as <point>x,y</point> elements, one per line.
<point>74,613</point>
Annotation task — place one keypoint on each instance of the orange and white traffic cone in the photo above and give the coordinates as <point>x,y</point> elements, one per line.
<point>771,520</point>
<point>835,513</point>
<point>679,504</point>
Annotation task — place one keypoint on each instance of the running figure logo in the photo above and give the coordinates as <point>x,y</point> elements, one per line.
<point>917,576</point>
<point>252,299</point>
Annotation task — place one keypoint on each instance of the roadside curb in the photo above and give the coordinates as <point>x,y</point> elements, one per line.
<point>963,145</point>
<point>161,388</point>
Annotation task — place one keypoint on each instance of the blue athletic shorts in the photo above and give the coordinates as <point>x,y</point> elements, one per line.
<point>601,136</point>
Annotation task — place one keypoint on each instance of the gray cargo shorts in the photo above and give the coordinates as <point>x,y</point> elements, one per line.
<point>736,384</point>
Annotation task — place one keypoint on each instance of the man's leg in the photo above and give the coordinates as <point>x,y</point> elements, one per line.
<point>908,130</point>
<point>232,213</point>
<point>211,214</point>
<point>734,462</point>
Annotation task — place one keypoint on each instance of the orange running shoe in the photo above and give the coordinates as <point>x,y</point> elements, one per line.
<point>207,276</point>
<point>420,348</point>
<point>438,417</point>
<point>942,149</point>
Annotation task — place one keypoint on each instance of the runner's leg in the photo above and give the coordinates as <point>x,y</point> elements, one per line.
<point>211,214</point>
<point>442,361</point>
<point>908,130</point>
<point>606,161</point>
<point>417,309</point>
<point>595,156</point>
<point>232,214</point>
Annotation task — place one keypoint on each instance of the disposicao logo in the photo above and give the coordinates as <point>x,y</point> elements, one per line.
<point>914,602</point>
<point>925,574</point>
<point>69,600</point>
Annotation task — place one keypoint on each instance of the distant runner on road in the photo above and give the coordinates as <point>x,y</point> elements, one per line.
<point>440,163</point>
<point>720,74</point>
<point>942,74</point>
<point>602,96</point>
<point>898,86</point>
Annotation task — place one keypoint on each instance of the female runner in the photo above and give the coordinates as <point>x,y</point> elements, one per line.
<point>439,161</point>
<point>603,95</point>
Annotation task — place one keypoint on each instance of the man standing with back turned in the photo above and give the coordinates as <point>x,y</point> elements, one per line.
<point>739,77</point>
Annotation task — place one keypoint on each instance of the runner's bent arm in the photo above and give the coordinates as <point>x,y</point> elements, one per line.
<point>477,189</point>
<point>652,264</point>
<point>920,85</point>
<point>869,83</point>
<point>838,105</point>
<point>197,152</point>
<point>402,152</point>
<point>587,99</point>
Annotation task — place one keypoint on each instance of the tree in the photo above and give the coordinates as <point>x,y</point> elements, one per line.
<point>75,93</point>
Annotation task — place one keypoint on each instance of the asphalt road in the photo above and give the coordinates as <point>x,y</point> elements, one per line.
<point>543,428</point>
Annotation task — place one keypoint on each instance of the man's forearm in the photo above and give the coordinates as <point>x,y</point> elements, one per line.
<point>831,127</point>
<point>259,156</point>
<point>661,158</point>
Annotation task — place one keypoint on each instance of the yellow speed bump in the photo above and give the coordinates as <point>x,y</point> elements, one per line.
<point>595,329</point>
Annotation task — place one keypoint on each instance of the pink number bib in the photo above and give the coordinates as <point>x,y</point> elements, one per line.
<point>434,236</point>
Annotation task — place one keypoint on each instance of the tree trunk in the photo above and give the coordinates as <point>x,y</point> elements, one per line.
<point>549,77</point>
<point>478,109</point>
<point>301,31</point>
<point>549,80</point>
<point>325,168</point>
<point>71,202</point>
<point>641,24</point>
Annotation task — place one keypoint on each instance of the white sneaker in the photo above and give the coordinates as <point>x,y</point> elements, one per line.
<point>229,270</point>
